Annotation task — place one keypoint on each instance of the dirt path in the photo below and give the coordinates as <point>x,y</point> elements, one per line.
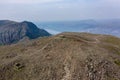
<point>67,75</point>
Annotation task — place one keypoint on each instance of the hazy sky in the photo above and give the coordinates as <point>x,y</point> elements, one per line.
<point>52,10</point>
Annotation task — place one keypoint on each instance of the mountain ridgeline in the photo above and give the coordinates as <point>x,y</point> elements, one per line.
<point>66,56</point>
<point>12,32</point>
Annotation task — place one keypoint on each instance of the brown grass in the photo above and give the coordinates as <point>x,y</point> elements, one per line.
<point>72,56</point>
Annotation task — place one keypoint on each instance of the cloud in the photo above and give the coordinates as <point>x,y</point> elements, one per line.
<point>52,10</point>
<point>27,1</point>
<point>35,1</point>
<point>54,1</point>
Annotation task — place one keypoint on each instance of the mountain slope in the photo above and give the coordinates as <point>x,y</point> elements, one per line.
<point>11,32</point>
<point>66,56</point>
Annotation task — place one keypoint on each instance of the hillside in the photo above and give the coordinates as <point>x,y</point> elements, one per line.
<point>66,56</point>
<point>12,32</point>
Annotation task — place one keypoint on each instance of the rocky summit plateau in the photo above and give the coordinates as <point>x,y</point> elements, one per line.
<point>66,56</point>
<point>12,32</point>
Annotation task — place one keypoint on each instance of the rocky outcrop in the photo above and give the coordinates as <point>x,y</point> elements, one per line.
<point>12,32</point>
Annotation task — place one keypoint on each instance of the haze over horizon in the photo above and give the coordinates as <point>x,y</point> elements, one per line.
<point>59,10</point>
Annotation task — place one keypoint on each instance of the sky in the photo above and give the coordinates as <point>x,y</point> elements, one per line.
<point>58,10</point>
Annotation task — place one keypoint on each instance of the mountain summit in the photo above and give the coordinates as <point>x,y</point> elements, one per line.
<point>11,31</point>
<point>66,56</point>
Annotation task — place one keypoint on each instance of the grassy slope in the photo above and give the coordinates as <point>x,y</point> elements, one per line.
<point>67,56</point>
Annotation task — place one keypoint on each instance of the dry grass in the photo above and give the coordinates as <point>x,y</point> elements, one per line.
<point>67,56</point>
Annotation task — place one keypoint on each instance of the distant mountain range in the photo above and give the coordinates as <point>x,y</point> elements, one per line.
<point>111,27</point>
<point>12,32</point>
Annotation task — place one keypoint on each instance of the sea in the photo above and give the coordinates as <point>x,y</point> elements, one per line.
<point>108,27</point>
